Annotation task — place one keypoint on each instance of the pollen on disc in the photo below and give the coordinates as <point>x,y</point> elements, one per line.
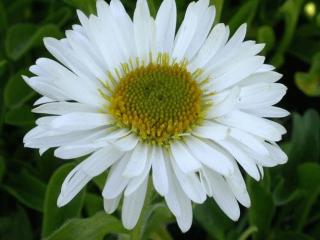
<point>158,101</point>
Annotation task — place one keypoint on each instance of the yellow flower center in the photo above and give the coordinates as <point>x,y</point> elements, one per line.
<point>159,101</point>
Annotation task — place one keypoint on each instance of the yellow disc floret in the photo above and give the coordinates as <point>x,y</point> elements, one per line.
<point>158,101</point>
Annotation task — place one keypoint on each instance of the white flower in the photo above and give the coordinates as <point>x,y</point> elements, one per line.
<point>135,96</point>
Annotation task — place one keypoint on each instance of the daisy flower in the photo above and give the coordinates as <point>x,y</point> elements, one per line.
<point>184,111</point>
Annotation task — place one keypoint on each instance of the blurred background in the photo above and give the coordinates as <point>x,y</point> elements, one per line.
<point>285,205</point>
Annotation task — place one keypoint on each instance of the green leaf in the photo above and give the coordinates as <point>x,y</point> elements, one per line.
<point>213,220</point>
<point>309,176</point>
<point>93,203</point>
<point>16,91</point>
<point>16,226</point>
<point>54,217</point>
<point>27,189</point>
<point>309,83</point>
<point>93,228</point>
<point>24,36</point>
<point>305,141</point>
<point>244,14</point>
<point>157,217</point>
<point>309,179</point>
<point>266,35</point>
<point>262,209</point>
<point>20,116</point>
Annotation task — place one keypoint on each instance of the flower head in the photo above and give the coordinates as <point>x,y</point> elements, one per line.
<point>138,99</point>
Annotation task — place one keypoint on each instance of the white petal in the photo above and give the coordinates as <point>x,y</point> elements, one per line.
<point>257,126</point>
<point>166,26</point>
<point>43,100</point>
<point>101,161</point>
<point>205,17</point>
<point>238,186</point>
<point>185,34</point>
<point>214,42</point>
<point>277,154</point>
<point>81,121</point>
<point>132,206</point>
<point>225,106</point>
<point>72,185</point>
<point>269,112</point>
<point>70,152</point>
<point>137,161</point>
<point>261,95</point>
<point>185,219</point>
<point>249,140</point>
<point>223,196</point>
<point>210,155</point>
<point>159,171</point>
<point>60,108</point>
<point>116,182</point>
<point>142,23</point>
<point>186,162</point>
<point>211,130</point>
<point>242,158</point>
<point>126,143</point>
<point>137,181</point>
<point>190,184</point>
<point>236,73</point>
<point>110,205</point>
<point>261,77</point>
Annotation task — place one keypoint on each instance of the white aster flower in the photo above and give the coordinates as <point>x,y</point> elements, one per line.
<point>140,100</point>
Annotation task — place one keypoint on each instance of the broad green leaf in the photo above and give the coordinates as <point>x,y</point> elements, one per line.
<point>93,203</point>
<point>24,36</point>
<point>16,91</point>
<point>309,83</point>
<point>305,141</point>
<point>16,226</point>
<point>93,228</point>
<point>158,216</point>
<point>266,35</point>
<point>54,217</point>
<point>244,14</point>
<point>213,220</point>
<point>262,209</point>
<point>309,180</point>
<point>27,189</point>
<point>20,116</point>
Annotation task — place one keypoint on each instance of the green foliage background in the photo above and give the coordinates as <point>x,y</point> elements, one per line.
<point>285,205</point>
